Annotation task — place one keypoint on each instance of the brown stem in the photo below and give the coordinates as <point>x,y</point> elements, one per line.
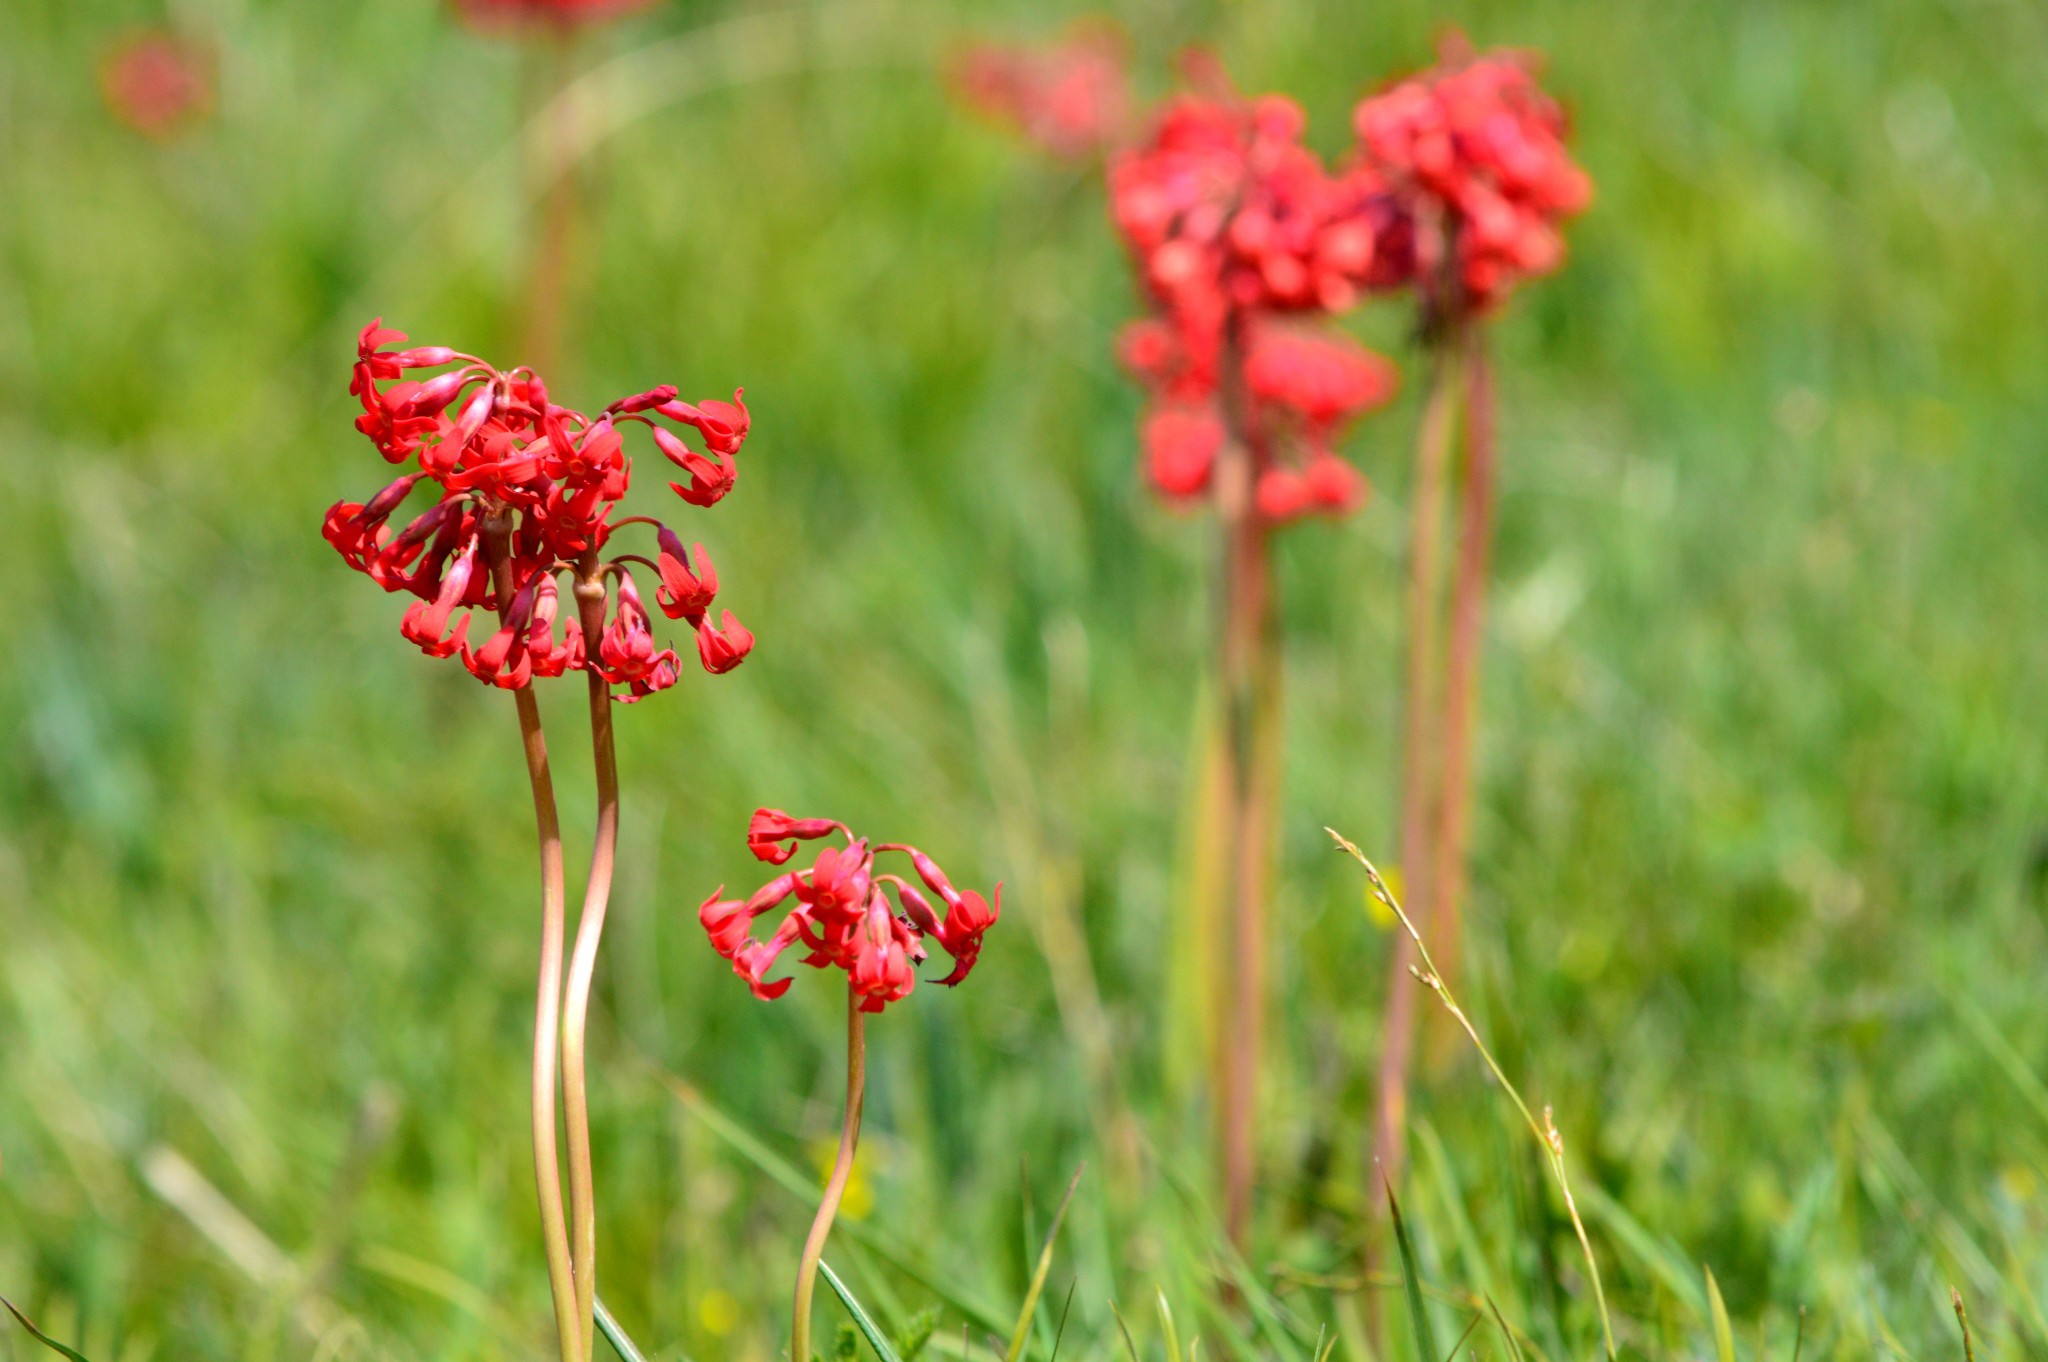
<point>1461,680</point>
<point>835,1186</point>
<point>554,249</point>
<point>1249,667</point>
<point>546,1156</point>
<point>1419,775</point>
<point>590,600</point>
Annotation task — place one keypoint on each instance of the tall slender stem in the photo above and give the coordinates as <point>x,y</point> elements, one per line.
<point>1461,679</point>
<point>1249,674</point>
<point>590,599</point>
<point>835,1186</point>
<point>547,1170</point>
<point>1419,774</point>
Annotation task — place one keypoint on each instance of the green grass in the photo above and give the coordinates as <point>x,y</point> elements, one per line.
<point>1762,851</point>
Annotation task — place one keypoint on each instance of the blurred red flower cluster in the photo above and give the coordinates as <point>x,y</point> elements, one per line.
<point>842,916</point>
<point>1475,149</point>
<point>491,13</point>
<point>157,83</point>
<point>1072,98</point>
<point>525,492</point>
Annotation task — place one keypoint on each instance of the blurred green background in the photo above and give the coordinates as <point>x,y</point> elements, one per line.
<point>1762,847</point>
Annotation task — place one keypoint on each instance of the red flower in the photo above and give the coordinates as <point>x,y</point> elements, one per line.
<point>521,477</point>
<point>723,648</point>
<point>769,828</point>
<point>157,83</point>
<point>1321,379</point>
<point>842,915</point>
<point>1072,99</point>
<point>1181,444</point>
<point>1476,148</point>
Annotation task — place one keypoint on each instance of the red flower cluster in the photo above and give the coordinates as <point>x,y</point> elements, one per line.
<point>157,84</point>
<point>561,12</point>
<point>532,486</point>
<point>1233,221</point>
<point>842,915</point>
<point>1476,148</point>
<point>1072,99</point>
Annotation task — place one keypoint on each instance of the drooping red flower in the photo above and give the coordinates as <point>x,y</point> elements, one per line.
<point>524,483</point>
<point>842,916</point>
<point>1233,222</point>
<point>157,83</point>
<point>1072,98</point>
<point>1474,151</point>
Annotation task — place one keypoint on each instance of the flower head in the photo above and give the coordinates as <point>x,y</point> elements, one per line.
<point>525,491</point>
<point>1474,152</point>
<point>1233,223</point>
<point>842,915</point>
<point>1071,99</point>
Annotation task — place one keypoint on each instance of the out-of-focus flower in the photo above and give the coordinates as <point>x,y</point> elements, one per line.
<point>531,486</point>
<point>563,13</point>
<point>1071,98</point>
<point>1233,222</point>
<point>157,83</point>
<point>1474,151</point>
<point>842,916</point>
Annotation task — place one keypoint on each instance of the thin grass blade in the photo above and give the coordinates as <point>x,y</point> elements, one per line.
<point>862,1320</point>
<point>1514,1344</point>
<point>1024,1316</point>
<point>1724,1333</point>
<point>1418,1310</point>
<point>1470,1325</point>
<point>39,1335</point>
<point>784,1175</point>
<point>1130,1344</point>
<point>1168,1331</point>
<point>1061,1331</point>
<point>623,1345</point>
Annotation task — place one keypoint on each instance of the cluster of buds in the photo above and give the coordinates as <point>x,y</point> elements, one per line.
<point>1071,99</point>
<point>842,915</point>
<point>525,492</point>
<point>1232,223</point>
<point>1474,151</point>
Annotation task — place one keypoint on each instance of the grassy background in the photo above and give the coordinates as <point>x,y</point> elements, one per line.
<point>1762,854</point>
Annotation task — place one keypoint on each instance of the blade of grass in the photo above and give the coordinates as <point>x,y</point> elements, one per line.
<point>1659,1255</point>
<point>1546,1134</point>
<point>1470,1325</point>
<point>1411,1281</point>
<point>1130,1344</point>
<point>1024,1316</point>
<point>1166,1329</point>
<point>607,1325</point>
<point>862,1320</point>
<point>1500,1320</point>
<point>39,1336</point>
<point>1724,1334</point>
<point>1955,1298</point>
<point>785,1175</point>
<point>1061,1332</point>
